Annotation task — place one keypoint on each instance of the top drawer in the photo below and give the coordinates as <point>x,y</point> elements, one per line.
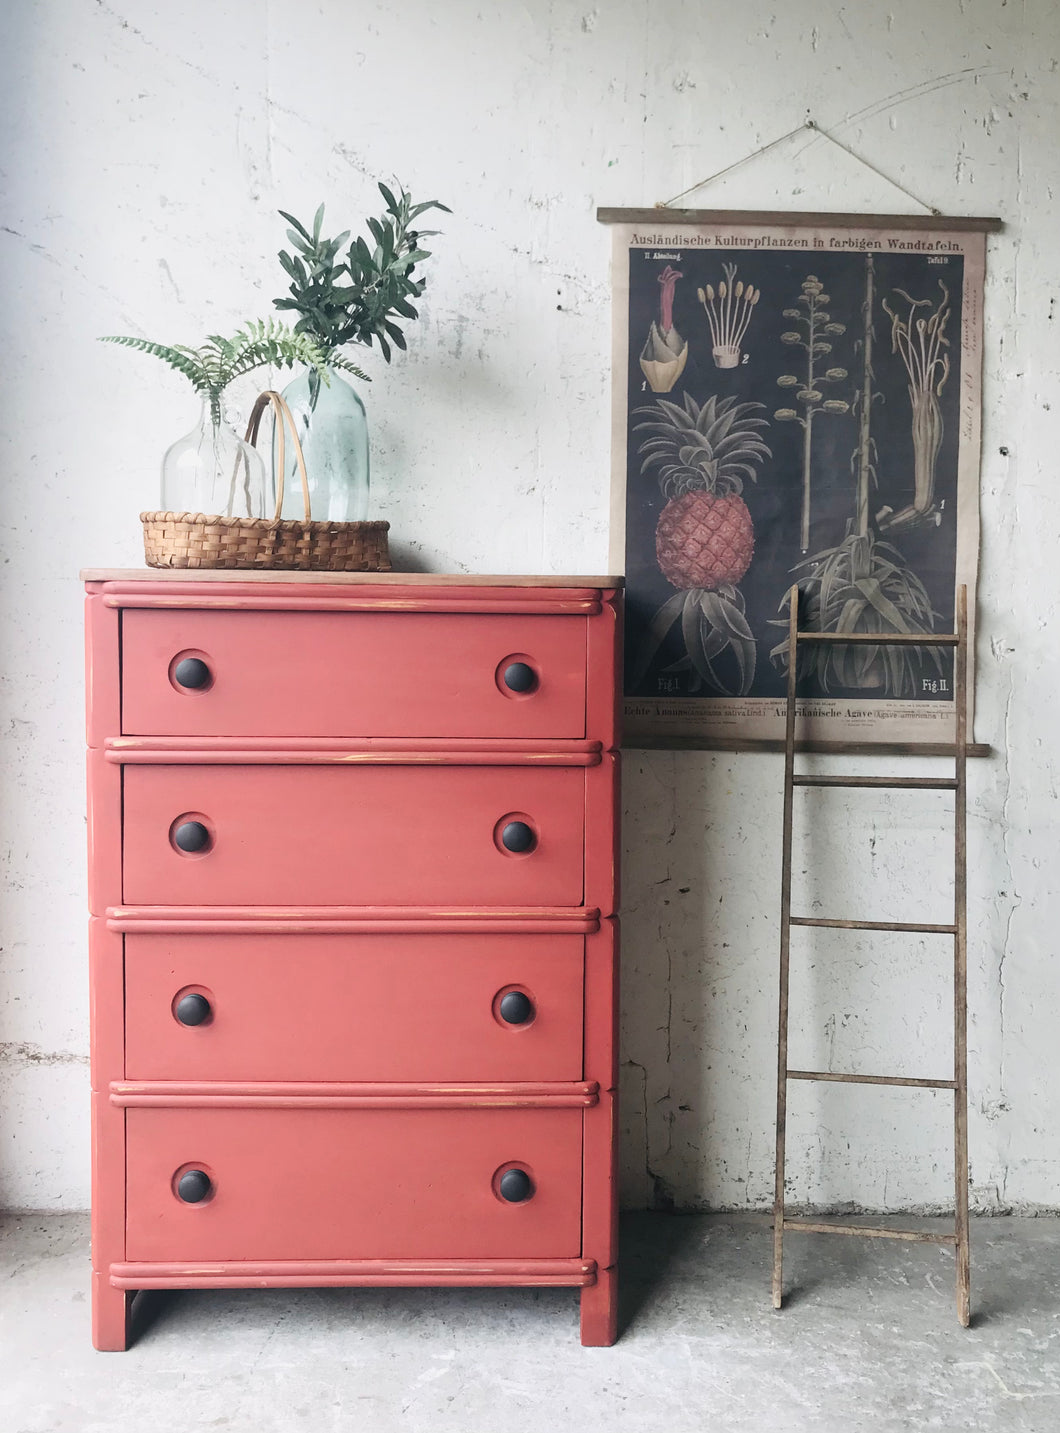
<point>365,674</point>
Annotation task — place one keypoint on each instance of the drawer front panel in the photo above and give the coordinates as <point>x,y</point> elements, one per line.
<point>354,1007</point>
<point>370,674</point>
<point>325,1184</point>
<point>357,835</point>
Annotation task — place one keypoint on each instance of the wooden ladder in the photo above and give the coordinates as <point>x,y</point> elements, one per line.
<point>957,930</point>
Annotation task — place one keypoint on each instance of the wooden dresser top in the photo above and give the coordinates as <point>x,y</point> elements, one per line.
<point>401,579</point>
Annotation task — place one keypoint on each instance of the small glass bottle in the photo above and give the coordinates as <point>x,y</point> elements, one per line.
<point>212,471</point>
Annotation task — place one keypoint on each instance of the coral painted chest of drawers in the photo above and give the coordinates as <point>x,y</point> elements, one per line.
<point>352,937</point>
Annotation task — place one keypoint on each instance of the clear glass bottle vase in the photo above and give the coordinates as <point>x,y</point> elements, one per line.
<point>212,471</point>
<point>332,428</point>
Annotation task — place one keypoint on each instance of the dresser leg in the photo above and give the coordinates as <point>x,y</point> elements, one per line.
<point>111,1310</point>
<point>599,1310</point>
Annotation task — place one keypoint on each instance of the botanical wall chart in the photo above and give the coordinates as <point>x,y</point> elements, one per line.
<point>796,399</point>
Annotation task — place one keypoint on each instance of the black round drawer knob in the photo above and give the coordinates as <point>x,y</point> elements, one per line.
<point>519,677</point>
<point>191,836</point>
<point>194,1185</point>
<point>515,1008</point>
<point>516,1186</point>
<point>193,1009</point>
<point>191,672</point>
<point>517,836</point>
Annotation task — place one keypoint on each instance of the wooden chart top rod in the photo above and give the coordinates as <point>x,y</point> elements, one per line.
<point>778,218</point>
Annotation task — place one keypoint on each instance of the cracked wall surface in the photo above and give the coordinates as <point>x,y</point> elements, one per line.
<point>146,148</point>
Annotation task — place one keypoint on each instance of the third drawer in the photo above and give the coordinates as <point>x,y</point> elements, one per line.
<point>428,1007</point>
<point>353,835</point>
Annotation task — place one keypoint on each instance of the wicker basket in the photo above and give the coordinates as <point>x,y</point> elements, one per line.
<point>185,539</point>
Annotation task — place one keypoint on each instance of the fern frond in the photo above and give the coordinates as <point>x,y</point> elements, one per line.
<point>184,360</point>
<point>339,364</point>
<point>219,361</point>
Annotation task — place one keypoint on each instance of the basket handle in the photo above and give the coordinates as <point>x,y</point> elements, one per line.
<point>283,419</point>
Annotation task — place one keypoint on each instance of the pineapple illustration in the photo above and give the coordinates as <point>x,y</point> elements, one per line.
<point>704,539</point>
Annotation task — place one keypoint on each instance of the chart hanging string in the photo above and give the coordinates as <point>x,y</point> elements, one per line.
<point>808,124</point>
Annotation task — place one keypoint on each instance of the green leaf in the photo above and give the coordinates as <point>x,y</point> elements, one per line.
<point>388,241</point>
<point>295,224</point>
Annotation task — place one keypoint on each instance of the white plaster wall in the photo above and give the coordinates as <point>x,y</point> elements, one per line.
<point>146,147</point>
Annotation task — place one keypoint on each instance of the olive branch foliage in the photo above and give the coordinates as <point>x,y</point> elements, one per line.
<point>357,297</point>
<point>219,361</point>
<point>353,299</point>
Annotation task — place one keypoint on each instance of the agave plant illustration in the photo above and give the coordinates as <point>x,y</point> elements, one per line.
<point>816,328</point>
<point>704,539</point>
<point>728,315</point>
<point>863,584</point>
<point>922,343</point>
<point>665,353</point>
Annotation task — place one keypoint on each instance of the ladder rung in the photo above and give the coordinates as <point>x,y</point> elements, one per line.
<point>872,1080</point>
<point>924,783</point>
<point>883,639</point>
<point>914,1236</point>
<point>874,925</point>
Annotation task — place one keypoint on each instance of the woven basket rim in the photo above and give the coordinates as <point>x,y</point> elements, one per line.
<point>260,524</point>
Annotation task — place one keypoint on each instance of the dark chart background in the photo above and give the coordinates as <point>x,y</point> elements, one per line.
<point>775,500</point>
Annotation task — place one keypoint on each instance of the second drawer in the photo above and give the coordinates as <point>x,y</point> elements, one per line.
<point>353,835</point>
<point>353,1007</point>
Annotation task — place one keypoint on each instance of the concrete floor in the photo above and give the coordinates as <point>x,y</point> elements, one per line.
<point>868,1341</point>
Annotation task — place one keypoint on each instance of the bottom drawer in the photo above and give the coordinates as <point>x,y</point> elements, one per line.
<point>329,1184</point>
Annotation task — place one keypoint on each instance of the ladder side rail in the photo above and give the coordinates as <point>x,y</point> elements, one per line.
<point>960,967</point>
<point>785,940</point>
